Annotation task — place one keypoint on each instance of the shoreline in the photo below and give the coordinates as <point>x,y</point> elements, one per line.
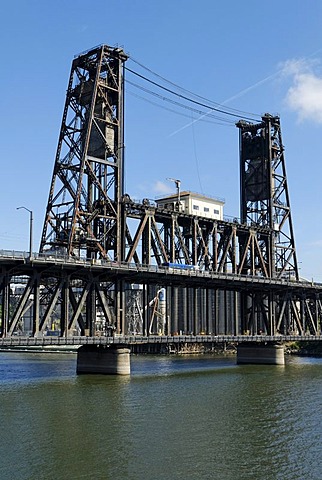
<point>306,349</point>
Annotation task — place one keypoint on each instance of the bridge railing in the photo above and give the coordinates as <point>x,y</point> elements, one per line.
<point>22,341</point>
<point>57,257</point>
<point>14,254</point>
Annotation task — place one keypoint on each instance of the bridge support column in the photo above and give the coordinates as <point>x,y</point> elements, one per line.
<point>105,360</point>
<point>260,354</point>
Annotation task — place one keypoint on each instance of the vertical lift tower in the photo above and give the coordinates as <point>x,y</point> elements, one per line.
<point>264,201</point>
<point>83,215</point>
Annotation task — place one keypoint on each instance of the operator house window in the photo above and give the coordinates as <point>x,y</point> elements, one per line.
<point>216,211</point>
<point>195,207</point>
<point>205,209</point>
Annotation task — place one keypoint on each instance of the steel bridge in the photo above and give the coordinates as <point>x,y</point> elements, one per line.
<point>76,297</point>
<point>109,268</point>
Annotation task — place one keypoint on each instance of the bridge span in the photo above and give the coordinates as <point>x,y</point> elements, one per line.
<point>112,272</point>
<point>80,297</point>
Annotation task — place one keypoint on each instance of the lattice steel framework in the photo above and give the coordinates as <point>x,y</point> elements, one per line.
<point>264,193</point>
<point>80,298</point>
<point>155,236</point>
<point>83,215</point>
<point>265,203</point>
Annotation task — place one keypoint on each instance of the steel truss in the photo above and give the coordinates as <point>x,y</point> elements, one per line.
<point>63,305</point>
<point>156,236</point>
<point>83,215</point>
<point>264,201</point>
<point>264,197</point>
<point>70,299</point>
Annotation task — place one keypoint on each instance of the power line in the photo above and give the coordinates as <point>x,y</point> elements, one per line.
<point>181,105</point>
<point>239,112</point>
<point>223,121</point>
<point>195,153</point>
<point>184,97</point>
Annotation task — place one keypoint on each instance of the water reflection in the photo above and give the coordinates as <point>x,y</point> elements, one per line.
<point>174,418</point>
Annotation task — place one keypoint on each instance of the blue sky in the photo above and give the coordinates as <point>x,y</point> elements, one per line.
<point>252,56</point>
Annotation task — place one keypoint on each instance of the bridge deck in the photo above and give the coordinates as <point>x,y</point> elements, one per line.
<point>55,265</point>
<point>20,341</point>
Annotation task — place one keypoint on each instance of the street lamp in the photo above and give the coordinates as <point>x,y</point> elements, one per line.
<point>30,229</point>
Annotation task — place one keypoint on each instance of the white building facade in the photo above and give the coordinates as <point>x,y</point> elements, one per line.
<point>192,203</point>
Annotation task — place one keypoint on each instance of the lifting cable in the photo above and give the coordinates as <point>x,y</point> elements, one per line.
<point>196,102</point>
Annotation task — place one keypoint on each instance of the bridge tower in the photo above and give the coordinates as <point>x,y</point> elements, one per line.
<point>264,197</point>
<point>264,201</point>
<point>83,215</point>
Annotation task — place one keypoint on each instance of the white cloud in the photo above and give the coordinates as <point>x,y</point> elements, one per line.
<point>161,188</point>
<point>305,94</point>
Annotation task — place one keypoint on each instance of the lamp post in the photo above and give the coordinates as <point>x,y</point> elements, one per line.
<point>30,228</point>
<point>177,184</point>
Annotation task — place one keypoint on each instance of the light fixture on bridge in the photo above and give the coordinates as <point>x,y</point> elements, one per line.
<point>30,228</point>
<point>177,184</point>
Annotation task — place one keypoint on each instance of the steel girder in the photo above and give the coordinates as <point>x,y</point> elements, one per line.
<point>83,214</point>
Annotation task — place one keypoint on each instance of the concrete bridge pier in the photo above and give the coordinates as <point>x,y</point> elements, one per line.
<point>258,353</point>
<point>104,360</point>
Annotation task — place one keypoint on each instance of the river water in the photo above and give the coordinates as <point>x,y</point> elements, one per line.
<point>196,417</point>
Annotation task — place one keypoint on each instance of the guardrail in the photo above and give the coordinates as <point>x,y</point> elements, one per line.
<point>20,341</point>
<point>114,265</point>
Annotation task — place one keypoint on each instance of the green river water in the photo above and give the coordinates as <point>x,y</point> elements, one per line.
<point>188,417</point>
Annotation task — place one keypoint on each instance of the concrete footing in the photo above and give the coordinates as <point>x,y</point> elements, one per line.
<point>260,354</point>
<point>109,360</point>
